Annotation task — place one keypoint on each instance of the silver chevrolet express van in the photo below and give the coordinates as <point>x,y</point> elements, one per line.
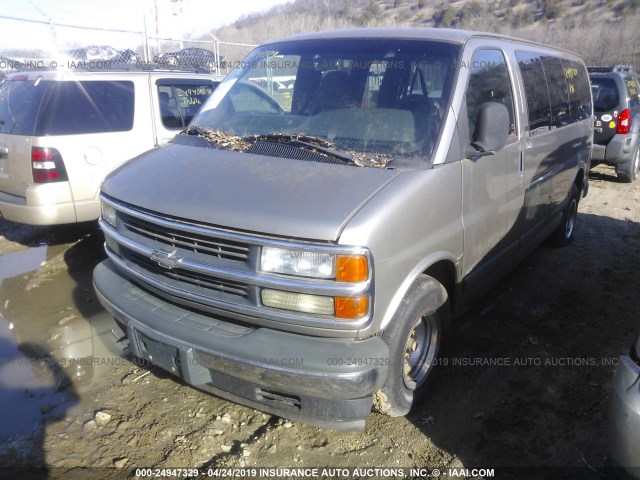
<point>302,246</point>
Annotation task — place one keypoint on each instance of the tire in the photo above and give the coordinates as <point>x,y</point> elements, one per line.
<point>415,337</point>
<point>563,235</point>
<point>632,168</point>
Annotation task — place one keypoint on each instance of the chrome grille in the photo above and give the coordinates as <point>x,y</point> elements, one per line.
<point>209,282</point>
<point>205,244</point>
<point>215,270</point>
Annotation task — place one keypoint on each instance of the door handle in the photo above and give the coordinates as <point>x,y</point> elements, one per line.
<point>4,152</point>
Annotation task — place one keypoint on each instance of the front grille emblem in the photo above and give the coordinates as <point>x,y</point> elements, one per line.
<point>166,260</point>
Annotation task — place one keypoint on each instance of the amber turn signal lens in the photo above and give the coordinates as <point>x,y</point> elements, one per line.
<point>351,307</point>
<point>352,268</point>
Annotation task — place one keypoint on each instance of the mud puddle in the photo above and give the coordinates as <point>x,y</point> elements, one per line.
<point>27,387</point>
<point>55,342</point>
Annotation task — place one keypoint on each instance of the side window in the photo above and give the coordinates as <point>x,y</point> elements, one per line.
<point>489,82</point>
<point>179,103</point>
<point>372,86</point>
<point>632,87</point>
<point>275,80</point>
<point>406,82</point>
<point>558,91</point>
<point>579,90</point>
<point>535,86</point>
<point>169,111</point>
<point>250,98</point>
<point>91,107</point>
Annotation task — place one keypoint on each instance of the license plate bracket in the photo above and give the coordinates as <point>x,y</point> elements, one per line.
<point>158,353</point>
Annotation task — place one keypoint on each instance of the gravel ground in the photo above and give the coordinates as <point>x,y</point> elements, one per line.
<point>524,392</point>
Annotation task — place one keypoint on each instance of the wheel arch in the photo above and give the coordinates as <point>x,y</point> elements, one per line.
<point>444,272</point>
<point>441,267</point>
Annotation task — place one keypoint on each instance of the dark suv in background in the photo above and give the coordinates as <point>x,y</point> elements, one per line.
<point>616,107</point>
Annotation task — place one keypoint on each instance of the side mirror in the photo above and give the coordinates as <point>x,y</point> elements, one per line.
<point>492,129</point>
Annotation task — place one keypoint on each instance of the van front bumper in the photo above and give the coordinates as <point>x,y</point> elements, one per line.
<point>320,381</point>
<point>625,418</point>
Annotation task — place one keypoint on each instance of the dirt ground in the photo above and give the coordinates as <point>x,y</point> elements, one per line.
<point>525,391</point>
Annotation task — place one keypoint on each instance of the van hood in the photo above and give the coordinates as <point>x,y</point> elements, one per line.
<point>253,193</point>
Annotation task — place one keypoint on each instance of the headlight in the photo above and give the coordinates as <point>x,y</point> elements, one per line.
<point>298,262</point>
<point>303,263</point>
<point>109,214</point>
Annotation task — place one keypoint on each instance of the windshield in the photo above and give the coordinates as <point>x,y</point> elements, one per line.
<point>373,98</point>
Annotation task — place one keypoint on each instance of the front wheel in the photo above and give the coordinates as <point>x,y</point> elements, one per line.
<point>415,337</point>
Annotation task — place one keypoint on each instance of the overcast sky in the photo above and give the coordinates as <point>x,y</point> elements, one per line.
<point>175,19</point>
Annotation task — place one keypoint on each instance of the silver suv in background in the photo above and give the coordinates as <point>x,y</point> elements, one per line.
<point>62,131</point>
<point>616,105</point>
<point>302,247</point>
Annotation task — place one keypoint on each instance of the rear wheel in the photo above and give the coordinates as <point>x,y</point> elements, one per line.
<point>415,338</point>
<point>632,168</point>
<point>563,235</point>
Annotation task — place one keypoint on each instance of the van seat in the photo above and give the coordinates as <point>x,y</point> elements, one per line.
<point>363,126</point>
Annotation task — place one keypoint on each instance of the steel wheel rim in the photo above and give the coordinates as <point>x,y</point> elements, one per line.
<point>420,350</point>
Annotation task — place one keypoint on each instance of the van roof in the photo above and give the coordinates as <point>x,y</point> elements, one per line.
<point>450,35</point>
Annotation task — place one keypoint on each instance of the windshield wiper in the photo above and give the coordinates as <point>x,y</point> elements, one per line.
<point>242,144</point>
<point>309,142</point>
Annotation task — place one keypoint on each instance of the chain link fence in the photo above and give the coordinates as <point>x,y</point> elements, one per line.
<point>49,45</point>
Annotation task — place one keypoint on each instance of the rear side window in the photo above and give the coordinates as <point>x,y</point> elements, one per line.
<point>488,82</point>
<point>632,88</point>
<point>179,103</point>
<point>579,90</point>
<point>558,91</point>
<point>535,85</point>
<point>20,105</point>
<point>605,94</point>
<point>90,107</point>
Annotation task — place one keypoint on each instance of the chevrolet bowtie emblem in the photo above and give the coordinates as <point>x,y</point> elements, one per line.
<point>166,260</point>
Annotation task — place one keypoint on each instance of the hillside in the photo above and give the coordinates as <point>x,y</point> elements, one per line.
<point>602,31</point>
